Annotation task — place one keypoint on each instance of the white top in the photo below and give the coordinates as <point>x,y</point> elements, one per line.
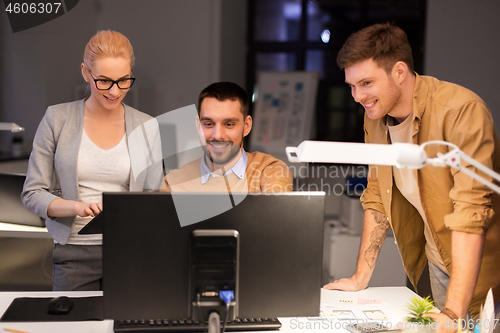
<point>99,170</point>
<point>406,182</point>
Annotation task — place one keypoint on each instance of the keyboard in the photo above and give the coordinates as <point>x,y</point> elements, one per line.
<point>166,325</point>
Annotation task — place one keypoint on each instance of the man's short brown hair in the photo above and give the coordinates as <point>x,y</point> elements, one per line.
<point>384,43</point>
<point>223,91</point>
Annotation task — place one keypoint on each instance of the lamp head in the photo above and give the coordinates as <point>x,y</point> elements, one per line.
<point>13,127</point>
<point>401,155</point>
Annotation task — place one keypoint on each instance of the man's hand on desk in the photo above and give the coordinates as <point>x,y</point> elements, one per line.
<point>346,284</point>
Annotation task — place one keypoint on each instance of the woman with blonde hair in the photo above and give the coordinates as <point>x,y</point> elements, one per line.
<point>87,147</point>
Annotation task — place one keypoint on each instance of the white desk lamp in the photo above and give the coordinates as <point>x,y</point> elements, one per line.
<point>13,127</point>
<point>401,155</point>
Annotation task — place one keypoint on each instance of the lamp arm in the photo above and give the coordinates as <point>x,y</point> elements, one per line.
<point>480,166</point>
<point>453,159</point>
<point>401,155</point>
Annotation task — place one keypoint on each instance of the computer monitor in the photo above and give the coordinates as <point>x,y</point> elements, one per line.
<point>146,254</point>
<point>12,209</point>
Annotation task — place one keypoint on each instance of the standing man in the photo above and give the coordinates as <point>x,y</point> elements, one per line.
<point>438,215</point>
<point>223,122</point>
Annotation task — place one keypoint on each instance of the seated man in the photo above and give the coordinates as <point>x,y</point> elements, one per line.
<point>223,122</point>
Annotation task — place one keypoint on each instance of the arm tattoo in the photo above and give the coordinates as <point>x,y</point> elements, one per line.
<point>377,237</point>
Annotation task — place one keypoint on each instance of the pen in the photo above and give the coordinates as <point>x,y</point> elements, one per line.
<point>13,331</point>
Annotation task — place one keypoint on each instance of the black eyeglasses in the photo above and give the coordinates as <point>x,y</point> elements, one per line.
<point>106,84</point>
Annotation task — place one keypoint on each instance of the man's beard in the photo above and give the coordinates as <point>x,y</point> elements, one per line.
<point>394,98</point>
<point>224,157</point>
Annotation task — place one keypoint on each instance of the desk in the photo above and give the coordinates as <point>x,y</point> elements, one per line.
<point>53,327</point>
<point>22,231</point>
<point>395,297</point>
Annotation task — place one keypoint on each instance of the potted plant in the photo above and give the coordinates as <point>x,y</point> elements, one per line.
<point>418,307</point>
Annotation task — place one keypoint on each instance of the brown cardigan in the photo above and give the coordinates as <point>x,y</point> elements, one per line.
<point>264,173</point>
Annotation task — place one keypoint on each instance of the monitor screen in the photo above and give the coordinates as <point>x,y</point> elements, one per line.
<point>146,254</point>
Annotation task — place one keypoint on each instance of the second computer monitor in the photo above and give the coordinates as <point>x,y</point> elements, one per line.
<point>146,254</point>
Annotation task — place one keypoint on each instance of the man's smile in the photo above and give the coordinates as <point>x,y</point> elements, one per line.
<point>369,105</point>
<point>218,146</point>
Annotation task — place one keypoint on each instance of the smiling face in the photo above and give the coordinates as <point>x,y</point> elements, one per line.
<point>375,89</point>
<point>224,128</point>
<point>107,68</point>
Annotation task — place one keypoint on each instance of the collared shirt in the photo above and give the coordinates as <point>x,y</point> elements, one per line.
<point>451,200</point>
<point>264,173</point>
<point>238,169</point>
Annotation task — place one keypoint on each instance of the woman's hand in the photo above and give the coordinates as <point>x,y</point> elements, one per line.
<point>85,209</point>
<point>64,208</point>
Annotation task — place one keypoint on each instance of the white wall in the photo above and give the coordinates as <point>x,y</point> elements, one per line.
<point>180,47</point>
<point>463,46</point>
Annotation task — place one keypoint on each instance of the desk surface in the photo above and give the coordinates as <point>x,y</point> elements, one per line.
<point>22,231</point>
<point>395,297</point>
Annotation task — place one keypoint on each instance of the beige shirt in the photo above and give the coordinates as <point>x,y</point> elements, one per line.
<point>406,181</point>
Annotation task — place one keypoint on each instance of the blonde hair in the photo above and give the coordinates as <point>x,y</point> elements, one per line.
<point>107,44</point>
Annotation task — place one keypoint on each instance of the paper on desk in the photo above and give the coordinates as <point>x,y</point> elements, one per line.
<point>352,310</point>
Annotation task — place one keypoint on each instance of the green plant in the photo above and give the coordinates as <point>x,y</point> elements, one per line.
<point>418,307</point>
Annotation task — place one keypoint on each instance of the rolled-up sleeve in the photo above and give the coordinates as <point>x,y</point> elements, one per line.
<point>371,198</point>
<point>471,129</point>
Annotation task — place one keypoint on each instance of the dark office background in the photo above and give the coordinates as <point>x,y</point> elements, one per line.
<point>306,35</point>
<point>183,45</point>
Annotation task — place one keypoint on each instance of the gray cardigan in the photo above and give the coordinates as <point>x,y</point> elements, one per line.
<point>52,170</point>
